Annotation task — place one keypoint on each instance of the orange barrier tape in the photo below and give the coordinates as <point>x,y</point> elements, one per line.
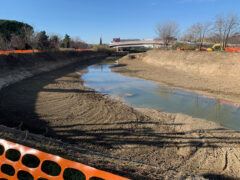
<point>232,49</point>
<point>19,167</point>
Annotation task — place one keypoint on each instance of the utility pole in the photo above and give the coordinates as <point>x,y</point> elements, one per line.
<point>101,40</point>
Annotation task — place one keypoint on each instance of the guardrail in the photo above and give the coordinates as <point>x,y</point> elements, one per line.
<point>21,162</point>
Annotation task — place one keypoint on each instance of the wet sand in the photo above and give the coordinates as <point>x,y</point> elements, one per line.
<point>156,145</point>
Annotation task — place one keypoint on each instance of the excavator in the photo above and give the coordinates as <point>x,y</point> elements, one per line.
<point>214,46</point>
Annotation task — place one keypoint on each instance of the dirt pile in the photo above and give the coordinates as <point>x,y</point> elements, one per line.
<point>208,64</point>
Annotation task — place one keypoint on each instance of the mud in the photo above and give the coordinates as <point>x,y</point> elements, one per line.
<point>152,144</point>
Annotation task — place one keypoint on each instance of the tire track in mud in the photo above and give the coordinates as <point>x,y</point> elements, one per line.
<point>226,161</point>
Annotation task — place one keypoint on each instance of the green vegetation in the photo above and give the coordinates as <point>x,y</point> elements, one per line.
<point>180,45</point>
<point>189,46</point>
<point>9,28</point>
<point>103,48</point>
<point>66,41</point>
<point>16,35</point>
<point>42,40</point>
<point>217,48</point>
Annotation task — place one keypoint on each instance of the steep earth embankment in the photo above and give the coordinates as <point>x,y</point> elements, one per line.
<point>215,74</point>
<point>15,67</point>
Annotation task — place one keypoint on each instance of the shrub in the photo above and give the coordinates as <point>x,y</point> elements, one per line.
<point>180,45</point>
<point>103,48</point>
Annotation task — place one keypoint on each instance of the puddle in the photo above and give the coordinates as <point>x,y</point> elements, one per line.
<point>146,94</point>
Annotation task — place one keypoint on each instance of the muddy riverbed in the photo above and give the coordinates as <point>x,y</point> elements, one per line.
<point>58,105</point>
<point>140,93</point>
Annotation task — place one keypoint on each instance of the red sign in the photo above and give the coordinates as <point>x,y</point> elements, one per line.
<point>116,39</point>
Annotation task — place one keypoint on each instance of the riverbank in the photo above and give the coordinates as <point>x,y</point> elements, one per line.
<point>148,144</point>
<point>213,74</point>
<point>16,67</point>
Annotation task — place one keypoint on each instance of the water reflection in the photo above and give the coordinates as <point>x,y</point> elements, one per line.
<point>147,94</point>
<point>164,92</point>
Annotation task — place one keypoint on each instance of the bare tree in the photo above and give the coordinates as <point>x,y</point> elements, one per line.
<point>235,38</point>
<point>213,38</point>
<point>167,31</point>
<point>77,43</point>
<point>225,27</point>
<point>33,40</point>
<point>199,31</point>
<point>4,44</point>
<point>28,37</point>
<point>17,42</point>
<point>188,36</point>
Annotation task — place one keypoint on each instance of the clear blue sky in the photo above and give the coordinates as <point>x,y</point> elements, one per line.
<point>89,19</point>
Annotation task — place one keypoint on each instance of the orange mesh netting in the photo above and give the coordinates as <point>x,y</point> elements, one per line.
<point>30,51</point>
<point>232,49</point>
<point>19,51</point>
<point>18,161</point>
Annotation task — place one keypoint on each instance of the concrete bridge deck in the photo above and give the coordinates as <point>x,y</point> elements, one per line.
<point>145,43</point>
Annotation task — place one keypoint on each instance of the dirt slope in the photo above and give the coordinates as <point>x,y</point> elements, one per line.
<point>214,74</point>
<point>155,145</point>
<point>16,67</point>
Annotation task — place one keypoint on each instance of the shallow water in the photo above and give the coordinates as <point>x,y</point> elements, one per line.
<point>147,94</point>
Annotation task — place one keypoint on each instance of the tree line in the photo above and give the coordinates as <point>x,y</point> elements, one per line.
<point>224,29</point>
<point>16,35</point>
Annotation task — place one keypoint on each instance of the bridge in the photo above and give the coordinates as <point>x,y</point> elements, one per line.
<point>136,43</point>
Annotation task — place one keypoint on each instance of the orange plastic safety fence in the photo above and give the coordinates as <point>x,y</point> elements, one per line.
<point>31,51</point>
<point>5,52</point>
<point>19,51</point>
<point>232,49</point>
<point>184,48</point>
<point>18,167</point>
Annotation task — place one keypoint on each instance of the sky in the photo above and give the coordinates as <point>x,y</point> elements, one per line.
<point>91,19</point>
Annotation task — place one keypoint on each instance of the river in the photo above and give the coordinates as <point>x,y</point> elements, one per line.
<point>147,94</point>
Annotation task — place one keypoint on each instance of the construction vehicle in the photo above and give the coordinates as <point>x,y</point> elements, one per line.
<point>214,46</point>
